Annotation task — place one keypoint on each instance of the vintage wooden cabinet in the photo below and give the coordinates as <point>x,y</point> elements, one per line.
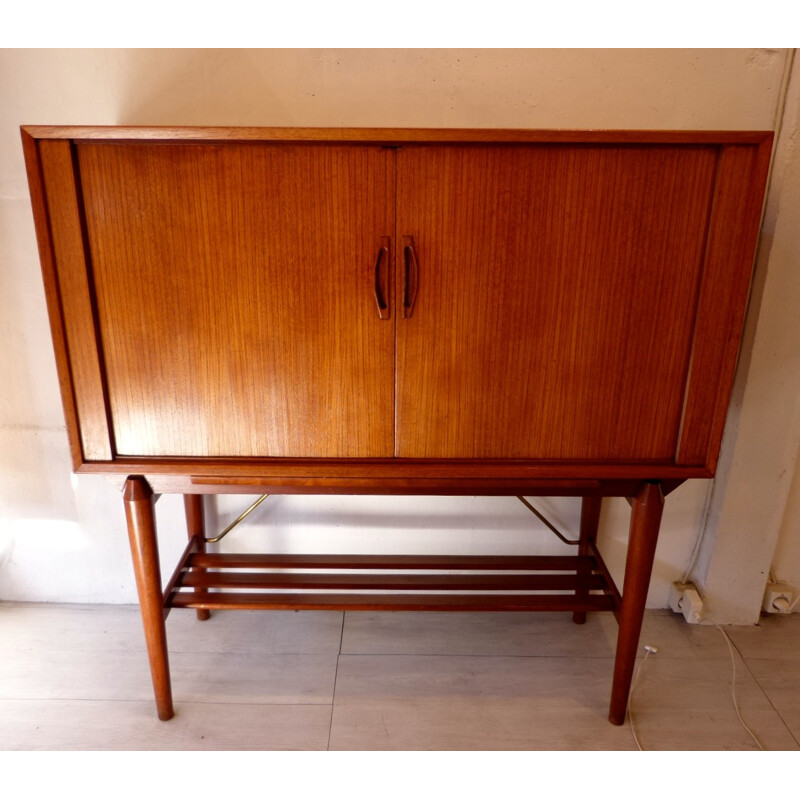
<point>400,312</point>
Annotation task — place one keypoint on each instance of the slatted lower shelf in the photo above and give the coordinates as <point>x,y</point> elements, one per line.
<point>400,583</point>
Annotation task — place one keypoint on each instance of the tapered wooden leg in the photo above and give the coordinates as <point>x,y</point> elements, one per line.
<point>646,511</point>
<point>196,527</point>
<point>590,521</point>
<point>139,512</point>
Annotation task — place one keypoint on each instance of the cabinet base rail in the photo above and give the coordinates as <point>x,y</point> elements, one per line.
<point>577,583</point>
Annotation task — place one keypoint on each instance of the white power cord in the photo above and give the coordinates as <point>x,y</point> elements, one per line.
<point>733,687</point>
<point>649,649</point>
<point>698,542</point>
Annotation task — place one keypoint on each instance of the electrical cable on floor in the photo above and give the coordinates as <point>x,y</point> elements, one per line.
<point>648,651</point>
<point>733,687</point>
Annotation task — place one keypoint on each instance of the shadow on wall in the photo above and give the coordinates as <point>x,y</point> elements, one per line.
<point>203,87</point>
<point>36,478</point>
<point>337,88</point>
<point>35,466</point>
<point>301,87</point>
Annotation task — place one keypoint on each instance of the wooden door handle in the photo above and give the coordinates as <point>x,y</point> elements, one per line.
<point>382,278</point>
<point>410,277</point>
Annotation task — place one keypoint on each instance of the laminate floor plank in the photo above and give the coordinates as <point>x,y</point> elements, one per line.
<point>780,681</point>
<point>464,634</point>
<point>289,632</point>
<point>103,628</point>
<point>253,678</point>
<point>200,677</point>
<point>82,628</point>
<point>776,636</point>
<point>131,725</point>
<point>446,725</point>
<point>474,703</point>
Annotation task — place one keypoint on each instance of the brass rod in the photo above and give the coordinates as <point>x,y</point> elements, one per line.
<point>238,519</point>
<point>547,522</point>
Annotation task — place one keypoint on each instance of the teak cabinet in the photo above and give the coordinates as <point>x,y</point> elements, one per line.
<point>396,311</point>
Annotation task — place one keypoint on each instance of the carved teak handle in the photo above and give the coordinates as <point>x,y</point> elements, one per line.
<point>382,278</point>
<point>411,276</point>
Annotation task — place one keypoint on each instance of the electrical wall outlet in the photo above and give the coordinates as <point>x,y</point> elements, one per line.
<point>779,598</point>
<point>685,599</point>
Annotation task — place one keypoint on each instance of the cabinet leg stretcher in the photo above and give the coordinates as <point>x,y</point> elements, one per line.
<point>574,583</point>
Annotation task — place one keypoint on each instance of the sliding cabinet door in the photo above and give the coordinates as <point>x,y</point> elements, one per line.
<point>235,286</point>
<point>549,295</point>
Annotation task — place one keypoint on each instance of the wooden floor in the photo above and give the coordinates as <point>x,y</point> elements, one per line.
<point>76,678</point>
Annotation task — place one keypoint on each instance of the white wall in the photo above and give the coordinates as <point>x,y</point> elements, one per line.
<point>786,563</point>
<point>62,537</point>
<point>754,507</point>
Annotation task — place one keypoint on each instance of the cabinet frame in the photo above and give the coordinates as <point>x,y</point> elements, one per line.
<point>61,234</point>
<point>736,207</point>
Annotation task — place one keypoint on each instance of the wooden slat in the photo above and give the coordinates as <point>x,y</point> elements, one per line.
<point>293,476</point>
<point>395,582</point>
<point>450,487</point>
<point>76,301</point>
<point>388,135</point>
<point>550,475</point>
<point>722,302</point>
<point>426,486</point>
<point>33,164</point>
<point>387,602</point>
<point>393,562</point>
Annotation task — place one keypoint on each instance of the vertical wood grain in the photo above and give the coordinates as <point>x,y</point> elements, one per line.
<point>76,302</point>
<point>733,235</point>
<point>235,288</point>
<point>554,282</point>
<point>33,165</point>
<point>577,302</point>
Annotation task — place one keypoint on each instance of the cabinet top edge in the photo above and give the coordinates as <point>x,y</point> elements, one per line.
<point>391,135</point>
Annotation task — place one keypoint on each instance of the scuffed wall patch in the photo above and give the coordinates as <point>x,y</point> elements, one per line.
<point>763,56</point>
